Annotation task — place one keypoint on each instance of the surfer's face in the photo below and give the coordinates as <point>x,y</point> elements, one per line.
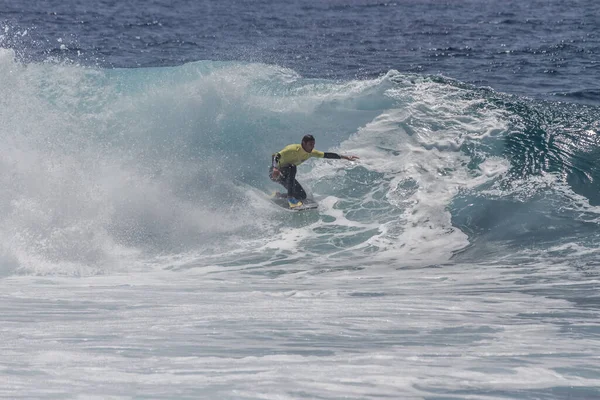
<point>308,146</point>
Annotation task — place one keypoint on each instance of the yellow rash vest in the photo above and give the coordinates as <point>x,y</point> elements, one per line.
<point>294,154</point>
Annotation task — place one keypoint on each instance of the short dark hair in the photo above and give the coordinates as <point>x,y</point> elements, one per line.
<point>308,138</point>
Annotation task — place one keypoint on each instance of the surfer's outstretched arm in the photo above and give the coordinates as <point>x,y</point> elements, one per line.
<point>339,156</point>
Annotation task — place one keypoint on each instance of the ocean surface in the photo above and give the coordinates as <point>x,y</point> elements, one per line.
<point>458,258</point>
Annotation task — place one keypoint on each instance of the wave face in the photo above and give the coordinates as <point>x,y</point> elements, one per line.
<point>102,169</point>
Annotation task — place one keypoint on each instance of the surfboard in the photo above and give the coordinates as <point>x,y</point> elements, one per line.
<point>307,204</point>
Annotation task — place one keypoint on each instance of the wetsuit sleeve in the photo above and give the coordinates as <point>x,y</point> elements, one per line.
<point>275,160</point>
<point>317,154</point>
<point>332,155</point>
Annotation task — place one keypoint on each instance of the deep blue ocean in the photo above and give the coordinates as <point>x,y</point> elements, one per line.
<point>140,255</point>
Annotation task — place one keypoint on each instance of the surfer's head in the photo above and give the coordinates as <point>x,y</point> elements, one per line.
<point>308,143</point>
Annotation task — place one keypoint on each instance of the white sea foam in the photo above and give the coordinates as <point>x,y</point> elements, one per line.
<point>140,257</point>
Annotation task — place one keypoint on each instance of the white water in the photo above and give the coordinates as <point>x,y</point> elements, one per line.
<point>129,268</point>
<point>317,331</point>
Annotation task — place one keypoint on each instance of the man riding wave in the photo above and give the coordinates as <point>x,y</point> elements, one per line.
<point>284,163</point>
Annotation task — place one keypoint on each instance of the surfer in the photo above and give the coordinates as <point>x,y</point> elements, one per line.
<point>284,163</point>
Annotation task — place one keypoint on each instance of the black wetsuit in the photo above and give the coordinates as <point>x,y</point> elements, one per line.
<point>288,180</point>
<point>286,161</point>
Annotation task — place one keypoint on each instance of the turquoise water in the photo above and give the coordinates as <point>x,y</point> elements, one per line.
<point>140,258</point>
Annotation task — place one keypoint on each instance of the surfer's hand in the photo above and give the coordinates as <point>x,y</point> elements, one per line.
<point>275,174</point>
<point>350,158</point>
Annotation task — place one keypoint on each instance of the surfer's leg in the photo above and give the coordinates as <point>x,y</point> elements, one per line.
<point>288,177</point>
<point>298,191</point>
<point>294,189</point>
<point>283,180</point>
